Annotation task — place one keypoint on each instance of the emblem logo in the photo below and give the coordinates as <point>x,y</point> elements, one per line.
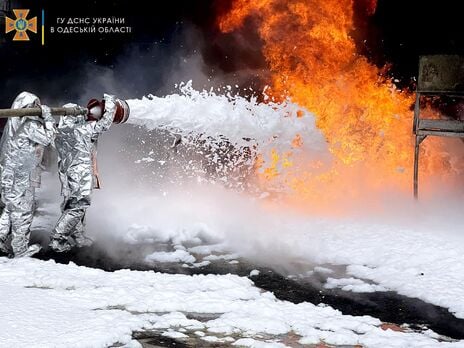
<point>21,25</point>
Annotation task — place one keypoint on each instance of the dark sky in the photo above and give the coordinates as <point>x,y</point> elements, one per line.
<point>74,67</point>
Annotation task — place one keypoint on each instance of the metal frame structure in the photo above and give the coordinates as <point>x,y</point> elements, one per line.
<point>439,75</point>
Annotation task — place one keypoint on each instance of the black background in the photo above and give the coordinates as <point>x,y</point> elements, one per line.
<point>146,60</point>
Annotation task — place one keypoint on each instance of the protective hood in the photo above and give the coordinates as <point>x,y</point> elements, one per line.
<point>25,100</point>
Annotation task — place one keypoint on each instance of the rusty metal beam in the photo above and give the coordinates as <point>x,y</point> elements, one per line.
<point>439,75</point>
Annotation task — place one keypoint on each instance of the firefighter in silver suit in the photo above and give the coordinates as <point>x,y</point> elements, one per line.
<point>76,145</point>
<point>21,150</point>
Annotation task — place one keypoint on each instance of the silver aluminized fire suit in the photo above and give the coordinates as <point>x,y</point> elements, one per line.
<point>76,144</point>
<point>21,147</point>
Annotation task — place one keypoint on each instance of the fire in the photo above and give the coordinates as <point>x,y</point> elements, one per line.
<point>366,120</point>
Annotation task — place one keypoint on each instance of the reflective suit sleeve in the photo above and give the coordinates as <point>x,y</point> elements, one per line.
<point>105,122</point>
<point>43,134</point>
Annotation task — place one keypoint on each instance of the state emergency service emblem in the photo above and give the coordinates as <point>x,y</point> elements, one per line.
<point>21,25</point>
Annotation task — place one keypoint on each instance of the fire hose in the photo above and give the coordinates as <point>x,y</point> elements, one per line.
<point>95,108</point>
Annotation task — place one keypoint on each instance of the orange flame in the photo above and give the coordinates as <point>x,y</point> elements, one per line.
<point>367,121</point>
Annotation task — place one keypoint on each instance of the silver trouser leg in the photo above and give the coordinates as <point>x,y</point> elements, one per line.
<point>71,219</point>
<point>5,220</point>
<point>5,224</point>
<point>79,238</point>
<point>20,230</point>
<point>21,214</point>
<point>5,228</point>
<point>79,229</point>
